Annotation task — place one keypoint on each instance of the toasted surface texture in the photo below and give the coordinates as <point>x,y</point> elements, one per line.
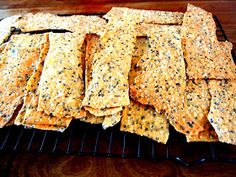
<point>161,81</point>
<point>44,21</point>
<point>205,56</point>
<point>109,85</point>
<point>145,121</point>
<point>16,67</point>
<point>146,16</point>
<point>61,87</point>
<point>223,109</point>
<point>5,26</point>
<point>28,115</point>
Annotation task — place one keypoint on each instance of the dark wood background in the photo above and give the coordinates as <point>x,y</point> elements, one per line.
<point>47,165</point>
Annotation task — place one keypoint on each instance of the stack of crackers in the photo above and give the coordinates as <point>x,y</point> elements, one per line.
<point>145,69</point>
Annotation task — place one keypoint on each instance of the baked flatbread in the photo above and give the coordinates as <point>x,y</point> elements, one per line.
<point>109,85</point>
<point>205,56</point>
<point>75,23</point>
<point>16,67</point>
<point>223,109</point>
<point>146,16</point>
<point>6,27</point>
<point>61,87</point>
<point>145,121</point>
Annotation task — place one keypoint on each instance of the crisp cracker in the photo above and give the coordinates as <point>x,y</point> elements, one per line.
<point>146,16</point>
<point>75,23</point>
<point>92,119</point>
<point>141,50</point>
<point>28,115</point>
<point>204,54</point>
<point>6,27</point>
<point>223,109</point>
<point>93,45</point>
<point>15,70</point>
<point>109,85</point>
<point>145,121</point>
<point>61,87</point>
<point>103,112</point>
<point>207,135</point>
<point>111,120</point>
<point>197,105</point>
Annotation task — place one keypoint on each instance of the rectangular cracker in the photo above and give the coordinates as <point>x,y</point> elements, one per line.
<point>44,21</point>
<point>146,16</point>
<point>16,67</point>
<point>205,56</point>
<point>145,121</point>
<point>61,87</point>
<point>161,81</point>
<point>29,116</point>
<point>6,25</point>
<point>196,106</point>
<point>109,85</point>
<point>223,109</point>
<point>93,45</point>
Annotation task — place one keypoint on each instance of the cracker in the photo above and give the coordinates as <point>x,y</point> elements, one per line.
<point>92,119</point>
<point>146,16</point>
<point>103,112</point>
<point>29,116</point>
<point>196,106</point>
<point>44,21</point>
<point>161,81</point>
<point>109,85</point>
<point>6,27</point>
<point>222,111</point>
<point>141,50</point>
<point>15,70</point>
<point>111,120</point>
<point>61,87</point>
<point>145,121</point>
<point>207,135</point>
<point>205,56</point>
<point>93,45</point>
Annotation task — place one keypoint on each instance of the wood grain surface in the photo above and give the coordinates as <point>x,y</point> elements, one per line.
<point>69,165</point>
<point>52,165</point>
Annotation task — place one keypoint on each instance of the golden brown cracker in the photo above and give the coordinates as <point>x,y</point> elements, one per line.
<point>223,109</point>
<point>204,54</point>
<point>111,120</point>
<point>44,21</point>
<point>15,70</point>
<point>146,16</point>
<point>109,85</point>
<point>145,121</point>
<point>61,87</point>
<point>5,25</point>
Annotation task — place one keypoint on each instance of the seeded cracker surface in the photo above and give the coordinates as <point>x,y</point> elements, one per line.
<point>61,87</point>
<point>74,23</point>
<point>223,109</point>
<point>16,67</point>
<point>109,85</point>
<point>5,26</point>
<point>204,55</point>
<point>30,117</point>
<point>146,16</point>
<point>93,45</point>
<point>145,121</point>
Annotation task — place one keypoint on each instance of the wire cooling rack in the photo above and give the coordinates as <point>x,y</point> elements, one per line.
<point>84,139</point>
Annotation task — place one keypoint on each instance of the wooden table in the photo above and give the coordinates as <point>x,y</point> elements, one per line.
<point>26,164</point>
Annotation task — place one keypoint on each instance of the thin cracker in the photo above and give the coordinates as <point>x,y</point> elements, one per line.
<point>222,111</point>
